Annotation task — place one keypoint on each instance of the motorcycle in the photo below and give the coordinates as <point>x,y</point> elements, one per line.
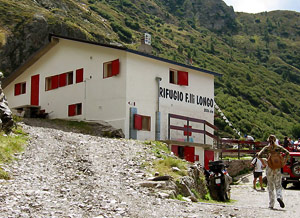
<point>218,181</point>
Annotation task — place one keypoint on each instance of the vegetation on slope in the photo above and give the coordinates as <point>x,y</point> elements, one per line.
<point>257,53</point>
<point>9,145</point>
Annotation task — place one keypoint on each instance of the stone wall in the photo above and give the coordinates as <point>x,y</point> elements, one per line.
<point>236,166</point>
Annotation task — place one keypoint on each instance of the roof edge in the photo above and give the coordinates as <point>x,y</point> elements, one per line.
<point>138,53</point>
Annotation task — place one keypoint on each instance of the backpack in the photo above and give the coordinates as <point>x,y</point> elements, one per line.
<point>275,160</point>
<point>254,164</point>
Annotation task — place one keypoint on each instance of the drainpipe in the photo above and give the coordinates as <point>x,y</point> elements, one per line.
<point>85,97</point>
<point>157,120</point>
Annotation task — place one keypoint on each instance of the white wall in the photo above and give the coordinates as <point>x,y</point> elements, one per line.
<point>102,99</point>
<point>23,99</point>
<point>200,151</point>
<point>142,88</point>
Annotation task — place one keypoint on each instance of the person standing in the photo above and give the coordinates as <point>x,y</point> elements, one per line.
<point>275,162</point>
<point>286,142</point>
<point>258,165</point>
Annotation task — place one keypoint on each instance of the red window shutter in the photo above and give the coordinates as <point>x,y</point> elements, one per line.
<point>196,157</point>
<point>79,75</point>
<point>115,67</point>
<point>54,80</point>
<point>72,110</point>
<point>137,121</point>
<point>62,80</point>
<point>18,89</point>
<point>183,78</point>
<point>185,132</point>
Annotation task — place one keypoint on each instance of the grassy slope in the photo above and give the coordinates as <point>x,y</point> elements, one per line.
<point>9,145</point>
<point>260,87</point>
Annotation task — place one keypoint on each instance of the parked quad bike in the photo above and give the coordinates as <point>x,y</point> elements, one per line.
<point>218,181</point>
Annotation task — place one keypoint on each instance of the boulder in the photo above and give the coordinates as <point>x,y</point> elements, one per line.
<point>6,120</point>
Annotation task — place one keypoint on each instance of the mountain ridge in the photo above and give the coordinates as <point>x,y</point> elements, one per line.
<point>257,53</point>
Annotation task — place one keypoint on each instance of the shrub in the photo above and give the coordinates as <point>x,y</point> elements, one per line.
<point>124,34</point>
<point>101,13</point>
<point>132,25</point>
<point>296,131</point>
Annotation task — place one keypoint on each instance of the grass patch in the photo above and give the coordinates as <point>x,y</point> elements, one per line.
<point>9,145</point>
<point>236,158</point>
<point>197,195</point>
<point>180,197</point>
<point>158,148</point>
<point>164,164</point>
<point>258,185</point>
<point>207,199</point>
<point>164,167</point>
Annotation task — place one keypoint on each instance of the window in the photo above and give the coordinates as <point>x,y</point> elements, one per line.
<point>75,109</point>
<point>70,78</point>
<point>61,80</point>
<point>111,68</point>
<point>178,77</point>
<point>20,88</point>
<point>142,122</point>
<point>79,75</point>
<point>173,77</point>
<point>52,82</point>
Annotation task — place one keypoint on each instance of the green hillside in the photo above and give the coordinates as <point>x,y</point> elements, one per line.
<point>259,54</point>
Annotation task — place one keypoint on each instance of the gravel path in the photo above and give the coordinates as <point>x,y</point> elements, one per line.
<point>65,174</point>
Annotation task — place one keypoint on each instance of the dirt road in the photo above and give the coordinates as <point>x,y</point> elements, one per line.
<point>63,174</point>
<point>246,196</point>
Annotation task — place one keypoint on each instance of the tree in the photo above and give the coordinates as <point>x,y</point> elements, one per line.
<point>296,131</point>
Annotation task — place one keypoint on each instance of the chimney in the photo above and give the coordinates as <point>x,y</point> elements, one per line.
<point>145,46</point>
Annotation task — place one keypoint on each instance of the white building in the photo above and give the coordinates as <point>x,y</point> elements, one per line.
<point>134,91</point>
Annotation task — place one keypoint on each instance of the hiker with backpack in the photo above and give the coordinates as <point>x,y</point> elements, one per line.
<point>258,164</point>
<point>275,161</point>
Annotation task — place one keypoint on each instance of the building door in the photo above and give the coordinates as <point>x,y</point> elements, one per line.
<point>35,86</point>
<point>174,149</point>
<point>189,154</point>
<point>208,156</point>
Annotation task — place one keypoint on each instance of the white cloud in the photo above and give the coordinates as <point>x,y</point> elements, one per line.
<point>256,6</point>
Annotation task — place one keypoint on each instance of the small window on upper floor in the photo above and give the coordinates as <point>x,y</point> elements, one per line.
<point>79,75</point>
<point>61,80</point>
<point>20,88</point>
<point>52,82</point>
<point>65,79</point>
<point>70,78</point>
<point>179,77</point>
<point>111,68</point>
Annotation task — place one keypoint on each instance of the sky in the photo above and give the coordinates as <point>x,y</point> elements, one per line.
<point>257,6</point>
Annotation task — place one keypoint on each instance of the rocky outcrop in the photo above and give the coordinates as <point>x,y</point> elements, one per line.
<point>191,186</point>
<point>33,36</point>
<point>212,14</point>
<point>6,120</point>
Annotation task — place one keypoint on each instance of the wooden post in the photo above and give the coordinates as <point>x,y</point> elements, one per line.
<point>188,132</point>
<point>238,150</point>
<point>204,135</point>
<point>169,126</point>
